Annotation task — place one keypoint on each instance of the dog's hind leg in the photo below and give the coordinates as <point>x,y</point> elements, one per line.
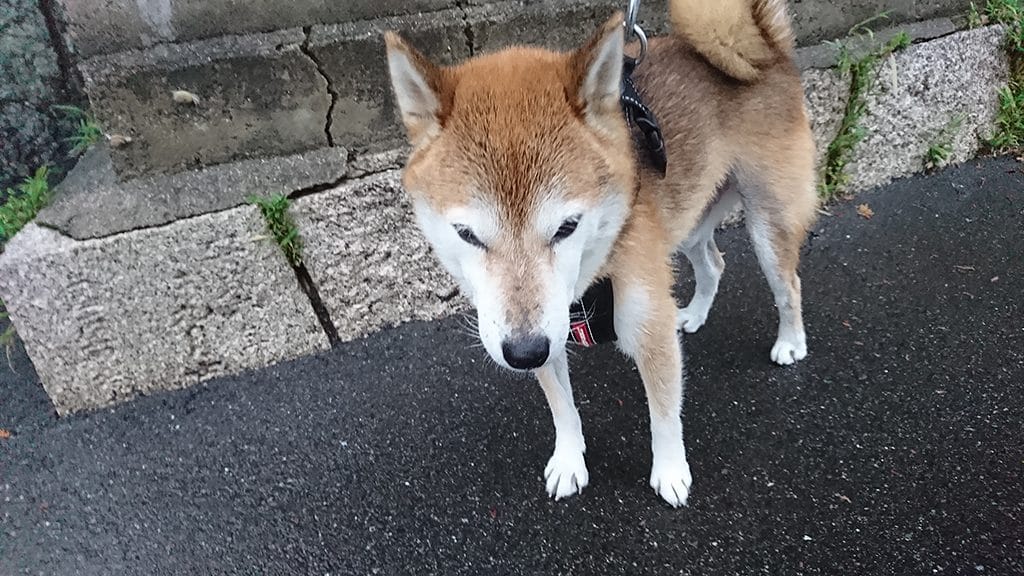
<point>779,209</point>
<point>705,259</point>
<point>566,472</point>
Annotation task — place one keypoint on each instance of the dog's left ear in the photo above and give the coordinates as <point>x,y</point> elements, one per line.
<point>419,89</point>
<point>596,70</point>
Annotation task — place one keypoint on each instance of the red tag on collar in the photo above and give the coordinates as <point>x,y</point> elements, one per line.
<point>580,333</point>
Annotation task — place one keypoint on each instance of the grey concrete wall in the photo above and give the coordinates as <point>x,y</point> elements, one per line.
<point>109,26</point>
<point>256,95</point>
<point>323,81</point>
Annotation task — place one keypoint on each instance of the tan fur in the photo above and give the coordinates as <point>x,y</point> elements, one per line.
<point>512,125</point>
<point>507,126</point>
<point>741,37</point>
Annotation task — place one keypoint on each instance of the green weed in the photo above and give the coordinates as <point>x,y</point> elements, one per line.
<point>281,226</point>
<point>7,335</point>
<point>941,150</point>
<point>1009,135</point>
<point>23,203</point>
<point>862,81</point>
<point>975,19</point>
<point>87,132</point>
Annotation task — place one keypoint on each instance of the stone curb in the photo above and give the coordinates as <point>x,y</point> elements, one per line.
<point>106,320</point>
<point>920,92</point>
<point>373,267</point>
<point>92,203</point>
<point>166,307</point>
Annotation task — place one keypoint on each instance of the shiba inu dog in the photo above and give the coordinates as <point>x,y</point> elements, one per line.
<point>526,178</point>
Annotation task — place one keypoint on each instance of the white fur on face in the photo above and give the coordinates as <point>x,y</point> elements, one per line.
<point>467,264</point>
<point>563,270</point>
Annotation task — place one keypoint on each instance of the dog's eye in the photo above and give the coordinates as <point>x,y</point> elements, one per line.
<point>468,237</point>
<point>566,229</point>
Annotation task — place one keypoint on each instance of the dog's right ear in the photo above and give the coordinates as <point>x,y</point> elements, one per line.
<point>418,86</point>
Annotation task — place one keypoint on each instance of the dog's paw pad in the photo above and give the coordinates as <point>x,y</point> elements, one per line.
<point>672,482</point>
<point>786,352</point>
<point>689,320</point>
<point>566,474</point>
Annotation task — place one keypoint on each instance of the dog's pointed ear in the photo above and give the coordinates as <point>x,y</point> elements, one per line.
<point>418,88</point>
<point>596,69</point>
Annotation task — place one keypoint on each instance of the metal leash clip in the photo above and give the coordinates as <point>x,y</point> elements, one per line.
<point>633,29</point>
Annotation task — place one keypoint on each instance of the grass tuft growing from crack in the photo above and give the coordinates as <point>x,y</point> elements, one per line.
<point>1009,134</point>
<point>281,226</point>
<point>23,203</point>
<point>87,132</point>
<point>7,335</point>
<point>862,81</point>
<point>941,149</point>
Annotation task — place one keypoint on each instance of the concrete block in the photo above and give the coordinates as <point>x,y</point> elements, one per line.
<point>111,26</point>
<point>158,309</point>
<point>561,24</point>
<point>826,55</point>
<point>826,94</point>
<point>353,58</point>
<point>371,264</point>
<point>557,25</point>
<point>258,96</point>
<point>91,202</point>
<point>817,20</point>
<point>919,92</point>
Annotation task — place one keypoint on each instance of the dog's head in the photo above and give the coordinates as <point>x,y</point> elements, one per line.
<point>521,176</point>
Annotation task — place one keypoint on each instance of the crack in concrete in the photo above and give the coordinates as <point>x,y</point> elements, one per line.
<point>317,188</point>
<point>308,286</point>
<point>467,28</point>
<point>71,78</point>
<point>331,90</point>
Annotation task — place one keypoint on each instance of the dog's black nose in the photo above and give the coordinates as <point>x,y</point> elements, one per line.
<point>526,352</point>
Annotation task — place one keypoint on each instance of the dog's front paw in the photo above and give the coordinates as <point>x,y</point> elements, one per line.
<point>690,319</point>
<point>566,473</point>
<point>672,480</point>
<point>788,350</point>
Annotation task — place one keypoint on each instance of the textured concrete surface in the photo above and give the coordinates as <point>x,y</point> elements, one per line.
<point>31,132</point>
<point>353,58</point>
<point>372,266</point>
<point>547,22</point>
<point>107,320</point>
<point>826,93</point>
<point>819,20</point>
<point>497,25</point>
<point>91,202</point>
<point>895,448</point>
<point>109,26</point>
<point>258,95</point>
<point>826,54</point>
<point>920,91</point>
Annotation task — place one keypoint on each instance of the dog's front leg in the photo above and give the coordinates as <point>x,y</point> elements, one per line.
<point>645,323</point>
<point>566,473</point>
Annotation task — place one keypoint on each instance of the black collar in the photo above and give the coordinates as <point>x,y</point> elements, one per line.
<point>640,116</point>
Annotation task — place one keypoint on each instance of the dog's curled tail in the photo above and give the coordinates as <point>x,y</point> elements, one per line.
<point>739,37</point>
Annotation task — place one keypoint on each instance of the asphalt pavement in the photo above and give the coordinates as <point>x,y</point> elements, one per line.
<point>896,447</point>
